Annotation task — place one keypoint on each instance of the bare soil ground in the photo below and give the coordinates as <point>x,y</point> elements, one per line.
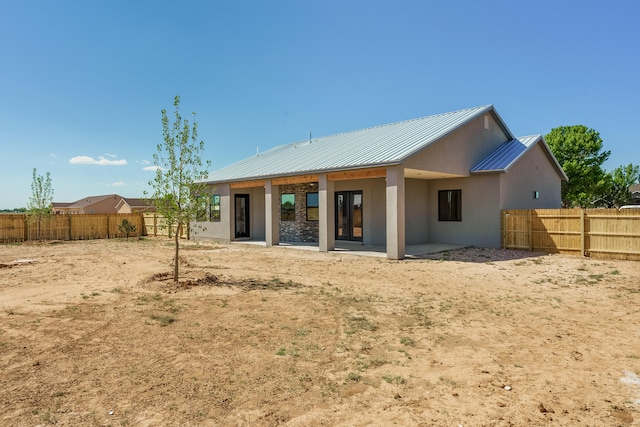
<point>92,333</point>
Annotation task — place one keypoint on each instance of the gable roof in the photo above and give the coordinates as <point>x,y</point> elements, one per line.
<point>506,155</point>
<point>87,201</point>
<point>383,145</point>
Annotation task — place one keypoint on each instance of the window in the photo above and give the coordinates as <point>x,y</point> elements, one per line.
<point>450,205</point>
<point>288,207</point>
<point>214,210</point>
<point>313,211</point>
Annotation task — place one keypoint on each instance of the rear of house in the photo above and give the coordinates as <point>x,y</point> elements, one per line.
<point>437,179</point>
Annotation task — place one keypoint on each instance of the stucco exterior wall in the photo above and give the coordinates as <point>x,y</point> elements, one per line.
<point>416,209</point>
<point>458,152</point>
<point>480,225</point>
<point>533,172</point>
<point>221,230</point>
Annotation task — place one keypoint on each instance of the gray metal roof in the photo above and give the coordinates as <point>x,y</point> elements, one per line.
<point>376,146</point>
<point>510,152</point>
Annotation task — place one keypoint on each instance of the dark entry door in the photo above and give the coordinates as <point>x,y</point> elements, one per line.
<point>242,215</point>
<point>349,215</point>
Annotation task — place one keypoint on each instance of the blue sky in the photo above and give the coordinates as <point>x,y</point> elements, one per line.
<point>82,83</point>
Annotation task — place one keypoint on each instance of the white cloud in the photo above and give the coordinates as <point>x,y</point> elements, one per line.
<point>101,161</point>
<point>119,184</point>
<point>151,168</point>
<point>110,155</point>
<point>145,162</point>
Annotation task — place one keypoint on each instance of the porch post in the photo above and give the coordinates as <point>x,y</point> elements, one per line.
<point>395,213</point>
<point>326,206</point>
<point>271,214</point>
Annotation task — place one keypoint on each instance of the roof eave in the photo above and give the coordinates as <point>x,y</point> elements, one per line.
<point>308,172</point>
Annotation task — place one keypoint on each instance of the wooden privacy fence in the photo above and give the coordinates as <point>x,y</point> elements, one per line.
<point>156,225</point>
<point>17,227</point>
<point>602,233</point>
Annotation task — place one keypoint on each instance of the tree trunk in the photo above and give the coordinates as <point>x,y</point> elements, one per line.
<point>176,261</point>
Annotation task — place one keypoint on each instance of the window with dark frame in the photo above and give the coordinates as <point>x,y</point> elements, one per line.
<point>450,205</point>
<point>214,209</point>
<point>288,207</point>
<point>313,208</point>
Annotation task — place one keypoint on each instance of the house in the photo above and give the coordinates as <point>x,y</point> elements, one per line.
<point>437,179</point>
<point>128,205</point>
<point>89,205</point>
<point>635,193</point>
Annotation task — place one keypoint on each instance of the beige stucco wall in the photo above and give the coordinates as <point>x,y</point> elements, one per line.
<point>217,230</point>
<point>480,225</point>
<point>458,152</point>
<point>416,208</point>
<point>533,172</point>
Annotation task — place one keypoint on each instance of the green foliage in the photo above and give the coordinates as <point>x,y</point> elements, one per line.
<point>179,175</point>
<point>126,228</point>
<point>615,189</point>
<point>579,152</point>
<point>41,201</point>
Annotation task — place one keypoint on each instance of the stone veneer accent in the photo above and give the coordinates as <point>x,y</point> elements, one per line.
<point>300,230</point>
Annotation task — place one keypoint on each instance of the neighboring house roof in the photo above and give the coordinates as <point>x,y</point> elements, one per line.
<point>138,204</point>
<point>635,189</point>
<point>382,145</point>
<point>83,203</point>
<point>88,201</point>
<point>510,152</point>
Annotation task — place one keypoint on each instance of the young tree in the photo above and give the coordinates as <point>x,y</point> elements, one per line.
<point>41,200</point>
<point>579,152</point>
<point>179,175</point>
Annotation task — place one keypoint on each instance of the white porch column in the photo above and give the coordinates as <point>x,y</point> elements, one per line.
<point>271,214</point>
<point>327,222</point>
<point>395,212</point>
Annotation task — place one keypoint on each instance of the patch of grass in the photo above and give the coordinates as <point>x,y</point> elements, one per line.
<point>354,377</point>
<point>614,272</point>
<point>281,351</point>
<point>448,381</point>
<point>361,322</point>
<point>394,380</point>
<point>116,290</point>
<point>163,319</point>
<point>301,332</point>
<point>144,299</point>
<point>407,341</point>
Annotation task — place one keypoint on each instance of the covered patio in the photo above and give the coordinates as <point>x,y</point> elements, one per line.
<point>356,248</point>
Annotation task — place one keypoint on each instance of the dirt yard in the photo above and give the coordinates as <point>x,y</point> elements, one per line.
<point>91,334</point>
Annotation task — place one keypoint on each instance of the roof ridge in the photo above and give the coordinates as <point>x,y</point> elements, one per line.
<point>479,108</point>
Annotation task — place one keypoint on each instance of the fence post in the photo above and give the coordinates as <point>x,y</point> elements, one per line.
<point>582,228</point>
<point>530,229</point>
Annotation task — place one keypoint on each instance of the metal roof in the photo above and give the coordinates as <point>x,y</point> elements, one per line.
<point>510,152</point>
<point>376,146</point>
